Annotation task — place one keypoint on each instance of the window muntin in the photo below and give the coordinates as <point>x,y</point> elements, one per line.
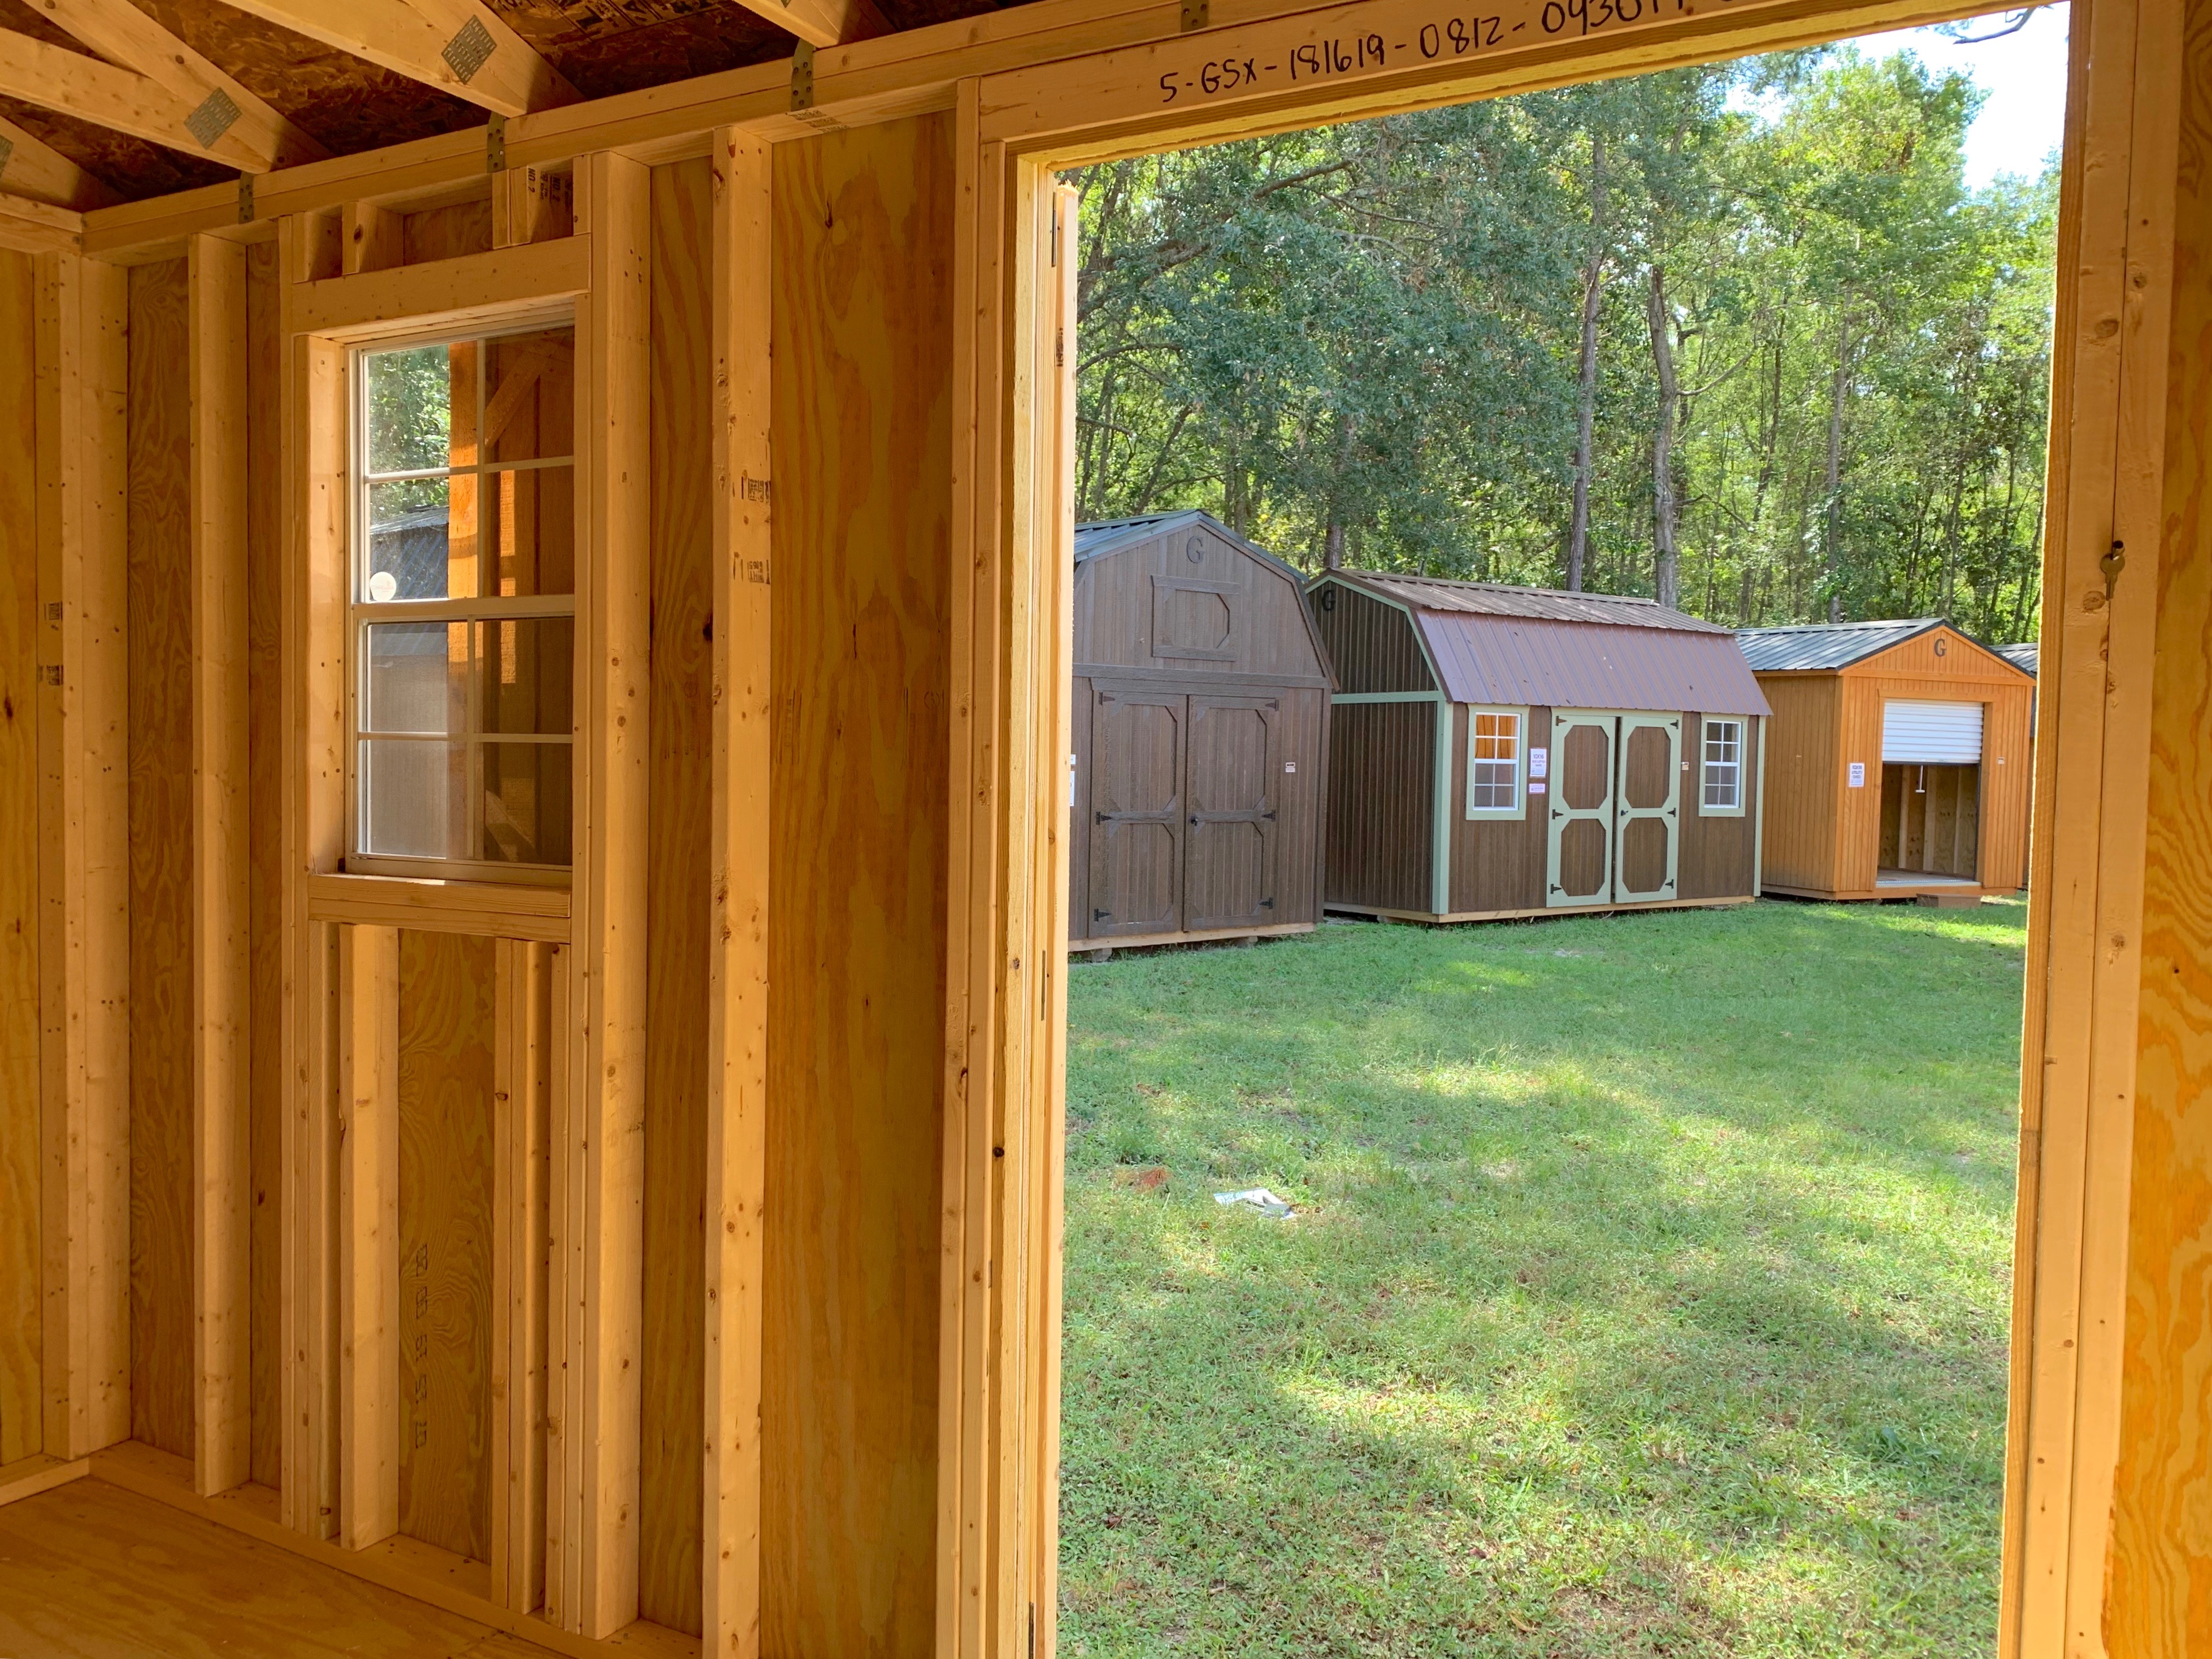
<point>1723,780</point>
<point>1495,744</point>
<point>464,604</point>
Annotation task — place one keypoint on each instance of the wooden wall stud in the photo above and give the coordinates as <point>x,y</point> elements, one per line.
<point>83,866</point>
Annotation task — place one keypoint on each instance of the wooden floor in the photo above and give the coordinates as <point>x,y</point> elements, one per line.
<point>89,1572</point>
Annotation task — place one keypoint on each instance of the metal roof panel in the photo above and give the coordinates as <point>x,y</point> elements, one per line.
<point>1521,662</point>
<point>1826,645</point>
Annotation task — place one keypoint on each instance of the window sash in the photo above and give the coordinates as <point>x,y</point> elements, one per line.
<point>363,613</point>
<point>1722,778</point>
<point>1497,745</point>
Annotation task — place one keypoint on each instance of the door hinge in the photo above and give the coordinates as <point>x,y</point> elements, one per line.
<point>2111,564</point>
<point>1060,347</point>
<point>1270,817</point>
<point>1267,904</point>
<point>1100,916</point>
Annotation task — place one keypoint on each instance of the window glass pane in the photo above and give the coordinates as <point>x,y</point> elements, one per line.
<point>417,678</point>
<point>528,666</point>
<point>414,798</point>
<point>530,530</point>
<point>526,802</point>
<point>409,408</point>
<point>422,540</point>
<point>530,396</point>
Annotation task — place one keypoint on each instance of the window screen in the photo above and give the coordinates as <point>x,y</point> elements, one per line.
<point>463,601</point>
<point>1493,761</point>
<point>1723,791</point>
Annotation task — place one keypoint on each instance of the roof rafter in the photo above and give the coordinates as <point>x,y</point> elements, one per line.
<point>216,123</point>
<point>822,22</point>
<point>221,118</point>
<point>458,47</point>
<point>35,170</point>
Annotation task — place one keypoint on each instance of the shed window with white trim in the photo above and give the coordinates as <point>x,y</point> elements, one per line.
<point>464,604</point>
<point>1494,749</point>
<point>1932,734</point>
<point>1722,792</point>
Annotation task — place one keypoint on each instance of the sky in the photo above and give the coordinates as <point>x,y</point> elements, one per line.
<point>2025,75</point>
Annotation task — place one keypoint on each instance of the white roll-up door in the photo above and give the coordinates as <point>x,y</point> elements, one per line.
<point>1934,734</point>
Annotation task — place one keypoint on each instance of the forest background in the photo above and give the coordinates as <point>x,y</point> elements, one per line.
<point>1740,337</point>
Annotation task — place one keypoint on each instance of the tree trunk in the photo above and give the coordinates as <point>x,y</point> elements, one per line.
<point>1332,549</point>
<point>1830,556</point>
<point>1586,405</point>
<point>1666,560</point>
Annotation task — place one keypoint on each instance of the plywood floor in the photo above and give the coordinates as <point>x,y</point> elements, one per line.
<point>90,1571</point>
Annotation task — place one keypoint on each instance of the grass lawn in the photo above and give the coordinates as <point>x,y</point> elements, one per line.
<point>1647,1292</point>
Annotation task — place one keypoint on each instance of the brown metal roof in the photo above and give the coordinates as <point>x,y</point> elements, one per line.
<point>1549,604</point>
<point>1531,647</point>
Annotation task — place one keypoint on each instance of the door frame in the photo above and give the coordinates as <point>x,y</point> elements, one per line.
<point>1558,815</point>
<point>1172,816</point>
<point>1270,710</point>
<point>1624,814</point>
<point>2106,483</point>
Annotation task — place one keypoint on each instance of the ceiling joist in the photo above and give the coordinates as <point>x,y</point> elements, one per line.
<point>34,169</point>
<point>218,118</point>
<point>458,47</point>
<point>822,22</point>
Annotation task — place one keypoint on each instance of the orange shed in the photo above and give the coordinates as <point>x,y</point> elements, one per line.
<point>1897,761</point>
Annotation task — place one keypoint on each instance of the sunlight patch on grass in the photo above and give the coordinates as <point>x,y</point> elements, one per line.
<point>1611,1321</point>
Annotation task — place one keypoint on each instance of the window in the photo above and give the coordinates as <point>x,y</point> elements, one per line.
<point>464,604</point>
<point>1493,763</point>
<point>1724,777</point>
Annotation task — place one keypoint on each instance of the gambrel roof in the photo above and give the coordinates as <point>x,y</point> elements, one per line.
<point>1538,646</point>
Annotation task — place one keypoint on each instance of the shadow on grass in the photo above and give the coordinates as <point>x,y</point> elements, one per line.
<point>1647,1296</point>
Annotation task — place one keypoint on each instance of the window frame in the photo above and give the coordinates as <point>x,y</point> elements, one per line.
<point>1519,810</point>
<point>1705,762</point>
<point>362,613</point>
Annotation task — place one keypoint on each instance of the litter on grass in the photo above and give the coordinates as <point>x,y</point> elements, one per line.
<point>1260,1199</point>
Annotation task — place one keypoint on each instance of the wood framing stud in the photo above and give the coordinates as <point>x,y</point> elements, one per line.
<point>368,1234</point>
<point>736,1009</point>
<point>220,843</point>
<point>83,865</point>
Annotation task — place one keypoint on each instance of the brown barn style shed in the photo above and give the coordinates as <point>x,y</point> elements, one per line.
<point>1901,754</point>
<point>1201,738</point>
<point>1514,752</point>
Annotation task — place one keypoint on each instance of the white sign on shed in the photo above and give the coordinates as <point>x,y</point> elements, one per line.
<point>1932,734</point>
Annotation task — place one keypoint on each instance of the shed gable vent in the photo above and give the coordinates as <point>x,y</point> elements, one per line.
<point>1932,733</point>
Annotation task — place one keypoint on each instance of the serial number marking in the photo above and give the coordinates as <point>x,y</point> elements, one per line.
<point>1456,36</point>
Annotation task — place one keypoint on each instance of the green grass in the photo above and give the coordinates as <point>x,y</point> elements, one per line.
<point>1647,1294</point>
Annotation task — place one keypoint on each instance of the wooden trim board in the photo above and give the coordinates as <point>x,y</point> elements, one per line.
<point>1382,915</point>
<point>1079,947</point>
<point>485,909</point>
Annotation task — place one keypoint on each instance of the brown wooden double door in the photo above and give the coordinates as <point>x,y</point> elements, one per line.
<point>1183,800</point>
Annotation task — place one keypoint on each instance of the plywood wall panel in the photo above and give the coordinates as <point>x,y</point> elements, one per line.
<point>160,745</point>
<point>862,402</point>
<point>21,1354</point>
<point>1805,777</point>
<point>446,232</point>
<point>2158,1588</point>
<point>448,1028</point>
<point>266,900</point>
<point>677,909</point>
